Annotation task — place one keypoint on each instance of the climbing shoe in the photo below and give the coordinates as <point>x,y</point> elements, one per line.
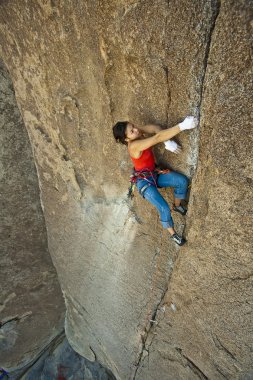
<point>177,239</point>
<point>181,209</point>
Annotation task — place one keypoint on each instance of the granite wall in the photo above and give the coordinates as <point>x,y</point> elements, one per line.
<point>135,302</point>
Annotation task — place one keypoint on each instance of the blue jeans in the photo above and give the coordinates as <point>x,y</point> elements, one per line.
<point>151,193</point>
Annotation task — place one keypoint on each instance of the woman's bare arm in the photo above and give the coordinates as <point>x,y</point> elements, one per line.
<point>150,128</point>
<point>137,146</point>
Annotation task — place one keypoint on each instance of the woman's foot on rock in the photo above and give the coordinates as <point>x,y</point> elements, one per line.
<point>178,239</point>
<point>181,209</point>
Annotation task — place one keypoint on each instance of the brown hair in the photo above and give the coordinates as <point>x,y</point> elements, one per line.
<point>119,131</point>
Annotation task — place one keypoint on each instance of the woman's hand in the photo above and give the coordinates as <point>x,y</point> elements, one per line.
<point>189,122</point>
<point>172,146</point>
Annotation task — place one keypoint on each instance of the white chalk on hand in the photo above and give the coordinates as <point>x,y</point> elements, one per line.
<point>189,122</point>
<point>172,146</point>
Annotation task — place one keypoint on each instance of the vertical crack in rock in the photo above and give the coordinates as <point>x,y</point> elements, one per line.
<point>194,137</point>
<point>215,4</point>
<point>151,326</point>
<point>147,330</point>
<point>166,69</point>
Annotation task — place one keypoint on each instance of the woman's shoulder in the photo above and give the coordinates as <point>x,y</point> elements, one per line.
<point>132,151</point>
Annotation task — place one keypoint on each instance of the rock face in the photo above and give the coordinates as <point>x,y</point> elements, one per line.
<point>31,303</point>
<point>77,70</point>
<point>205,330</point>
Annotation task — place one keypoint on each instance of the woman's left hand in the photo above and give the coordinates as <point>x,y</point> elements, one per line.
<point>172,146</point>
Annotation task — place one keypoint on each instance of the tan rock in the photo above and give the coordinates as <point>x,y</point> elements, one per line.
<point>31,303</point>
<point>76,71</point>
<point>205,331</point>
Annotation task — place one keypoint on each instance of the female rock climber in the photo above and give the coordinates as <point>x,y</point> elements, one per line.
<point>148,179</point>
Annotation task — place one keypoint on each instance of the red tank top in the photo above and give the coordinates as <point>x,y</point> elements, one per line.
<point>145,162</point>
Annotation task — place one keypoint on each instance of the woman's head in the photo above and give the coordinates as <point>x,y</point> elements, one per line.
<point>119,131</point>
<point>124,132</point>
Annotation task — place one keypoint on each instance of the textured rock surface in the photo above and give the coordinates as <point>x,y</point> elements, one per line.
<point>31,302</point>
<point>77,70</point>
<point>206,327</point>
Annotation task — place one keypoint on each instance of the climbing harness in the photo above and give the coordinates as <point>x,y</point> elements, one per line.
<point>144,174</point>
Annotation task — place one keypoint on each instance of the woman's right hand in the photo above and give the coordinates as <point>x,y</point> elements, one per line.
<point>189,122</point>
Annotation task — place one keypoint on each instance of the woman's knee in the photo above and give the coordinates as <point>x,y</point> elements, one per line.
<point>180,190</point>
<point>184,181</point>
<point>181,180</point>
